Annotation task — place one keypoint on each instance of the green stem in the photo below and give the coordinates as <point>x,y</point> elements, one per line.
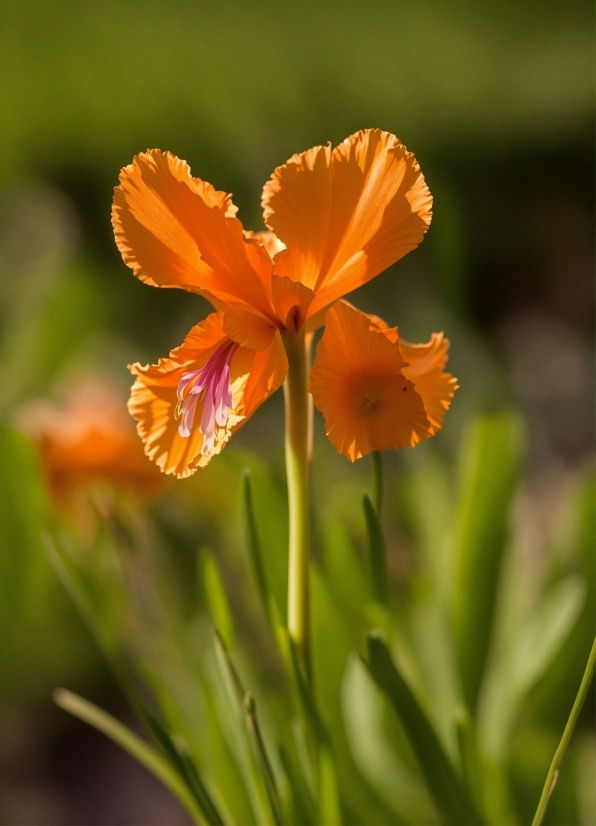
<point>553,772</point>
<point>377,459</point>
<point>298,404</point>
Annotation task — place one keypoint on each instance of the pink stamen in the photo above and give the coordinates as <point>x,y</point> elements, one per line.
<point>209,384</point>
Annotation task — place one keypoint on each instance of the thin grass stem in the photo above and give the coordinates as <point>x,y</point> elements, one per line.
<point>377,459</point>
<point>553,772</point>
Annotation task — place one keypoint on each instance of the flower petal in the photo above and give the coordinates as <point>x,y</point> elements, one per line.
<point>348,213</point>
<point>267,373</point>
<point>254,376</point>
<point>424,368</point>
<point>291,300</point>
<point>249,330</point>
<point>268,239</point>
<point>174,230</point>
<point>357,382</point>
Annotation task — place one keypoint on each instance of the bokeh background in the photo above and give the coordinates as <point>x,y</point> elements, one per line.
<point>497,102</point>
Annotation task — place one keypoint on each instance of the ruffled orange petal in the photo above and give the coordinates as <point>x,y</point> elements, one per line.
<point>357,382</point>
<point>268,239</point>
<point>425,369</point>
<point>348,213</point>
<point>423,365</point>
<point>174,230</point>
<point>254,376</point>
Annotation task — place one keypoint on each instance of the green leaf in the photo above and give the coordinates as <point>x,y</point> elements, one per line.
<point>269,509</point>
<point>374,754</point>
<point>327,793</point>
<point>259,745</point>
<point>546,630</point>
<point>379,482</point>
<point>491,455</point>
<point>377,555</point>
<point>22,518</point>
<point>329,806</point>
<point>525,659</point>
<point>42,640</point>
<point>469,756</point>
<point>301,807</point>
<point>254,544</point>
<point>226,773</point>
<point>565,671</point>
<point>216,596</point>
<point>250,748</point>
<point>441,778</point>
<point>130,742</point>
<point>310,712</point>
<point>178,755</point>
<point>93,580</point>
<point>345,576</point>
<point>425,499</point>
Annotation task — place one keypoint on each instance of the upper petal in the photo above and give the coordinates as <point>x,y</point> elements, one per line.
<point>268,239</point>
<point>254,375</point>
<point>346,214</point>
<point>174,230</point>
<point>357,382</point>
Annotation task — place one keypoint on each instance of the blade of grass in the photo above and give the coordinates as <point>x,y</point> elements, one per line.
<point>377,459</point>
<point>553,772</point>
<point>491,456</point>
<point>328,803</point>
<point>470,760</point>
<point>329,807</point>
<point>376,756</point>
<point>254,760</point>
<point>130,742</point>
<point>177,753</point>
<point>376,552</point>
<point>259,744</point>
<point>216,596</point>
<point>254,544</point>
<point>441,778</point>
<point>227,775</point>
<point>300,803</point>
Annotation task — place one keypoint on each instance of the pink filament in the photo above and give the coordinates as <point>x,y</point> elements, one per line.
<point>209,384</point>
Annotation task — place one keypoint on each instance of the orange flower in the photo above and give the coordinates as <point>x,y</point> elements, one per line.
<point>375,391</point>
<point>88,439</point>
<point>338,217</point>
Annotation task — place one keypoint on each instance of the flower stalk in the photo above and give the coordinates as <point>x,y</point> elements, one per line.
<point>298,410</point>
<point>553,772</point>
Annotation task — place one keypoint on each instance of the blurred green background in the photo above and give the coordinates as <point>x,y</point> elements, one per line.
<point>497,102</point>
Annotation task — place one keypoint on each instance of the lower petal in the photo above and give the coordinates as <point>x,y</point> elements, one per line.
<point>254,375</point>
<point>425,369</point>
<point>358,384</point>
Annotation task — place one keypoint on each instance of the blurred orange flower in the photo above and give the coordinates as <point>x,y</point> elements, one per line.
<point>376,391</point>
<point>337,218</point>
<point>89,439</point>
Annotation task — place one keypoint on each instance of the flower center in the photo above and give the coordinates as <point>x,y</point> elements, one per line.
<point>209,384</point>
<point>369,402</point>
